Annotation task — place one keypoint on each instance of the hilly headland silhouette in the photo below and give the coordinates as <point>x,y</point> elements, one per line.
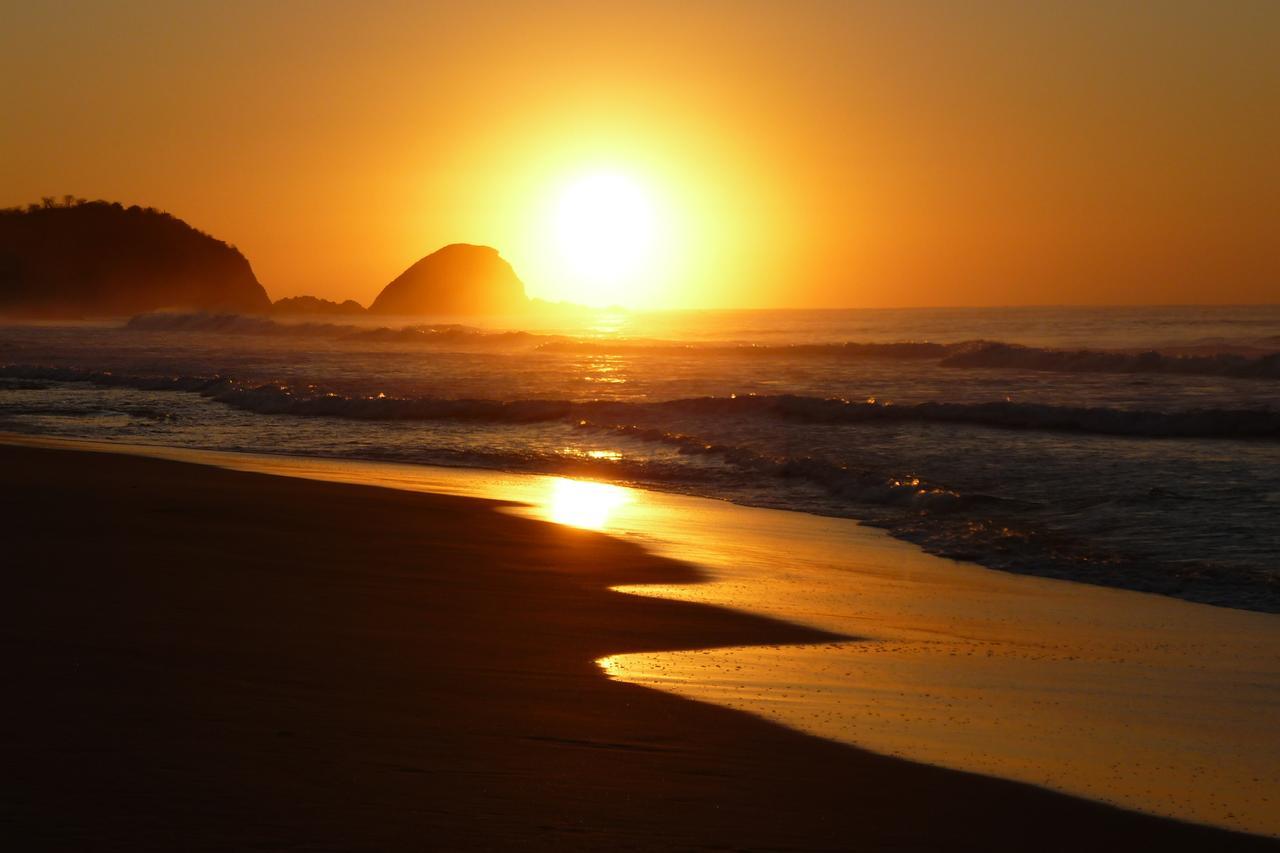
<point>78,259</point>
<point>96,258</point>
<point>458,279</point>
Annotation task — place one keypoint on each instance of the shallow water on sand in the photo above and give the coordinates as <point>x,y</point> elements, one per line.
<point>1143,701</point>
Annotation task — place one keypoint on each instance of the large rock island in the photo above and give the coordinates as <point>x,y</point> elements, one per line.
<point>460,279</point>
<point>101,259</point>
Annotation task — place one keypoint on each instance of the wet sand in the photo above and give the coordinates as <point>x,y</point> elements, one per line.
<point>198,658</point>
<point>1141,700</point>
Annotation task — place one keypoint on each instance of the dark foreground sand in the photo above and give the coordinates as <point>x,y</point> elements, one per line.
<point>198,659</point>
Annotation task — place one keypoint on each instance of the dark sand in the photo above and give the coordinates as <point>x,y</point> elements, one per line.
<point>199,659</point>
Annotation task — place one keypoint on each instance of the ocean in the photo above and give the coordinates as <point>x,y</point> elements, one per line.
<point>1128,447</point>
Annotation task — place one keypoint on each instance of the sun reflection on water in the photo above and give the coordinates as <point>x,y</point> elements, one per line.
<point>608,322</point>
<point>598,455</point>
<point>582,503</point>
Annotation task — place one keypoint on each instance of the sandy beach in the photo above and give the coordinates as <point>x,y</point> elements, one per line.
<point>207,659</point>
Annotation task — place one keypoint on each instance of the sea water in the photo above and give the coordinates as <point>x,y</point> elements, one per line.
<point>1137,448</point>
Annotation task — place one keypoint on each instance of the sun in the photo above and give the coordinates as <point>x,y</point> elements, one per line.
<point>605,231</point>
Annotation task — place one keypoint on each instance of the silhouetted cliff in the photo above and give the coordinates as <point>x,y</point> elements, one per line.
<point>458,279</point>
<point>312,306</point>
<point>95,259</point>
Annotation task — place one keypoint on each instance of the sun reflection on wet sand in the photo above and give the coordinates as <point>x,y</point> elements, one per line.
<point>583,503</point>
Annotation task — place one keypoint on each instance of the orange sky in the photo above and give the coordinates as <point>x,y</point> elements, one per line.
<point>836,154</point>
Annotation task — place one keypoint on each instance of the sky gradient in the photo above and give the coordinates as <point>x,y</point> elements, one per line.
<point>803,154</point>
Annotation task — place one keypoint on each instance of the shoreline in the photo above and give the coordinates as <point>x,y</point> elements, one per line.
<point>226,658</point>
<point>1198,580</point>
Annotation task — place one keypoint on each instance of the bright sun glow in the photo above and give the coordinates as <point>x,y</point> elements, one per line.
<point>606,229</point>
<point>581,503</point>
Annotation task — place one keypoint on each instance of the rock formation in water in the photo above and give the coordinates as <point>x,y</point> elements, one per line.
<point>459,279</point>
<point>314,306</point>
<point>101,259</point>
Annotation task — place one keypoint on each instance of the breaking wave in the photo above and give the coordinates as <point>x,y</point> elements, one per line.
<point>449,334</point>
<point>967,354</point>
<point>725,446</point>
<point>279,399</point>
<point>995,354</point>
<point>1252,363</point>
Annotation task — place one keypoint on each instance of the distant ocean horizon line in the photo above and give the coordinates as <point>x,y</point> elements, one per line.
<point>1029,306</point>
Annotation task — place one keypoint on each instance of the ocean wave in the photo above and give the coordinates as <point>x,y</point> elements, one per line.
<point>726,447</point>
<point>1195,423</point>
<point>964,354</point>
<point>280,399</point>
<point>903,350</point>
<point>448,334</point>
<point>975,354</point>
<point>1200,423</point>
<point>994,354</point>
<point>859,486</point>
<point>234,324</point>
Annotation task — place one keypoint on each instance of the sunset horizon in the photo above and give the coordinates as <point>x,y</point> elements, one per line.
<point>826,156</point>
<point>588,426</point>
